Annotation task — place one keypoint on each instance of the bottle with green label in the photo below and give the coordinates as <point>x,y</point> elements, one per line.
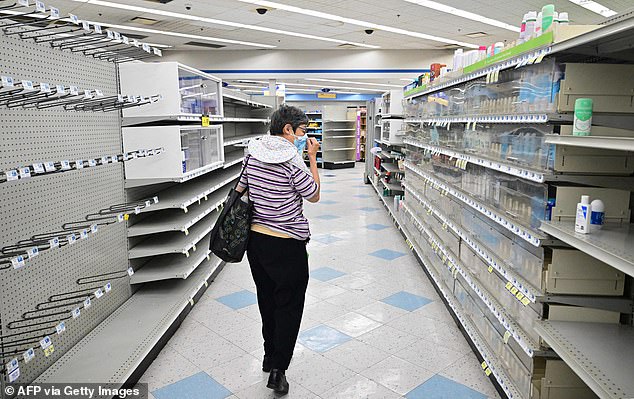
<point>548,13</point>
<point>583,117</point>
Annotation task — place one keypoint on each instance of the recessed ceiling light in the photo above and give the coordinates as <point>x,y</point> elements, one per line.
<point>185,35</point>
<point>464,14</point>
<point>217,21</point>
<point>351,82</point>
<point>476,35</point>
<point>595,7</point>
<point>357,22</point>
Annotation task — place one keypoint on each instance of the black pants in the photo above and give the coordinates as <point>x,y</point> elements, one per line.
<point>280,271</point>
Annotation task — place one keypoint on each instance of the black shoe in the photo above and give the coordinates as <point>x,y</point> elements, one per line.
<point>266,364</point>
<point>277,381</point>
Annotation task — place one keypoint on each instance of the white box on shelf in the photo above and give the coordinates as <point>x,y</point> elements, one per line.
<point>392,131</point>
<point>186,91</point>
<point>189,151</point>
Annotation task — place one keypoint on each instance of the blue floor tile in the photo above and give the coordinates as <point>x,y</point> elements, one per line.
<point>407,301</point>
<point>239,300</point>
<point>369,209</point>
<point>198,386</point>
<point>328,202</point>
<point>328,191</point>
<point>322,338</point>
<point>376,226</point>
<point>326,274</point>
<point>362,195</point>
<point>326,238</point>
<point>387,254</point>
<point>327,217</point>
<point>439,387</point>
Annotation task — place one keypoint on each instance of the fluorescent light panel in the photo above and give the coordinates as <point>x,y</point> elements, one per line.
<point>185,35</point>
<point>595,7</point>
<point>464,14</point>
<point>351,82</point>
<point>217,22</point>
<point>357,22</point>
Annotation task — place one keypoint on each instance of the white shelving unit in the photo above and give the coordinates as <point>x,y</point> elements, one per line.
<point>338,140</point>
<point>491,263</point>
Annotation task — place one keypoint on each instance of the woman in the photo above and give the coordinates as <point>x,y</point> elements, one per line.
<point>278,181</point>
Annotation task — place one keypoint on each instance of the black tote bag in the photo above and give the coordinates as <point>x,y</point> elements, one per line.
<point>230,235</point>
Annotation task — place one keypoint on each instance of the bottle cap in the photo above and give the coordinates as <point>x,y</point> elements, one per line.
<point>531,15</point>
<point>563,16</point>
<point>585,199</point>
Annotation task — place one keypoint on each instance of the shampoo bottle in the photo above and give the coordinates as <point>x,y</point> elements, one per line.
<point>597,215</point>
<point>582,219</point>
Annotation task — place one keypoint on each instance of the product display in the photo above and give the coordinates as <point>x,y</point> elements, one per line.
<point>487,250</point>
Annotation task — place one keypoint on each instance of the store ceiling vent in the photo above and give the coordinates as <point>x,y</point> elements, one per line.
<point>144,21</point>
<point>347,45</point>
<point>206,45</point>
<point>475,35</point>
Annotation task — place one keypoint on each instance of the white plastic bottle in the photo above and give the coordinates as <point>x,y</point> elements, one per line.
<point>563,19</point>
<point>597,215</point>
<point>531,22</point>
<point>523,29</point>
<point>538,25</point>
<point>582,218</point>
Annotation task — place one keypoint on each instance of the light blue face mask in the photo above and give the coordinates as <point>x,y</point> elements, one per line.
<point>300,143</point>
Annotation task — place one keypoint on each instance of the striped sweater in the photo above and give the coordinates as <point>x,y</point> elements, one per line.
<point>277,192</point>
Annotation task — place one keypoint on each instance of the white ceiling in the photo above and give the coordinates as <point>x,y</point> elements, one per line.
<point>393,13</point>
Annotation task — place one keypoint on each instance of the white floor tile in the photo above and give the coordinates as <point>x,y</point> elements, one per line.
<point>170,366</point>
<point>397,374</point>
<point>381,312</point>
<point>360,387</point>
<point>324,311</point>
<point>356,355</point>
<point>239,373</point>
<point>388,339</point>
<point>260,391</point>
<point>429,355</point>
<point>353,324</point>
<point>323,290</point>
<point>467,371</point>
<point>350,300</point>
<point>320,374</point>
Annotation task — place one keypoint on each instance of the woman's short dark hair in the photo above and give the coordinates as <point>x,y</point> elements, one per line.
<point>286,114</point>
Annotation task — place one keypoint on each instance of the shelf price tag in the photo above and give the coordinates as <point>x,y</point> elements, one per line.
<point>84,234</point>
<point>525,301</point>
<point>60,328</point>
<point>519,296</point>
<point>55,13</point>
<point>98,293</point>
<point>76,313</point>
<point>490,269</point>
<point>12,175</point>
<point>50,167</point>
<point>130,271</point>
<point>92,162</point>
<point>54,243</point>
<point>104,160</point>
<point>71,238</point>
<point>13,376</point>
<point>23,3</point>
<point>38,168</point>
<point>205,121</point>
<point>74,19</point>
<point>94,228</point>
<point>33,252</point>
<point>87,303</point>
<point>98,29</point>
<point>29,355</point>
<point>108,288</point>
<point>120,218</point>
<point>12,365</point>
<point>39,6</point>
<point>487,371</point>
<point>484,365</point>
<point>7,81</point>
<point>514,290</point>
<point>507,335</point>
<point>25,173</point>
<point>47,345</point>
<point>509,285</point>
<point>18,262</point>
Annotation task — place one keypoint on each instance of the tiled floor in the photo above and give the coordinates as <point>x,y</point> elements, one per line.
<point>373,325</point>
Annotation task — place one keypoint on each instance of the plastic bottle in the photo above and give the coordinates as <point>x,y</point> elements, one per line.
<point>498,47</point>
<point>548,14</point>
<point>582,218</point>
<point>556,20</point>
<point>538,25</point>
<point>597,215</point>
<point>457,59</point>
<point>563,19</point>
<point>523,29</point>
<point>531,20</point>
<point>482,53</point>
<point>582,124</point>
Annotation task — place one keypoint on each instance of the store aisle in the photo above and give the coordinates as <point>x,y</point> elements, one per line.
<point>373,325</point>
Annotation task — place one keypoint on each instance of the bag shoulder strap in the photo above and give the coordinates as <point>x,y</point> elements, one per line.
<point>246,162</point>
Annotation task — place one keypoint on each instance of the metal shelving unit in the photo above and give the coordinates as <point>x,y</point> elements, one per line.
<point>601,354</point>
<point>390,167</point>
<point>176,219</point>
<point>339,149</point>
<point>241,140</point>
<point>146,318</point>
<point>182,196</point>
<point>233,158</point>
<point>169,267</point>
<point>174,242</point>
<point>606,143</point>
<point>613,245</point>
